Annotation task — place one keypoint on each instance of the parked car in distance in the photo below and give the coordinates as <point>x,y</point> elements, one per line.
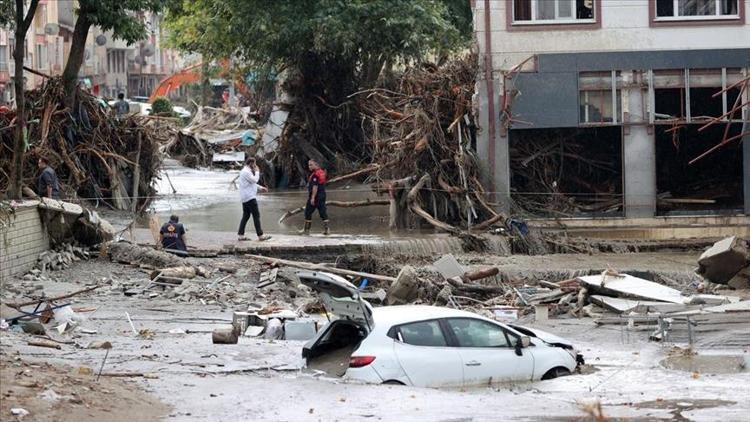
<point>181,112</point>
<point>427,346</point>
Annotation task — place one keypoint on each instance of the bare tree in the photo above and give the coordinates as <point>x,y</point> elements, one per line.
<point>22,24</point>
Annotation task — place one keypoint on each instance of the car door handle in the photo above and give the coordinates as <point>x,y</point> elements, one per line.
<point>473,363</point>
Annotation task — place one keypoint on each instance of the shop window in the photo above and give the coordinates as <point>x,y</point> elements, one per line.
<point>600,99</point>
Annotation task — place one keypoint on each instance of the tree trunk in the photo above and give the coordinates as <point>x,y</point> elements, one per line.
<point>205,83</point>
<point>75,60</point>
<point>19,148</point>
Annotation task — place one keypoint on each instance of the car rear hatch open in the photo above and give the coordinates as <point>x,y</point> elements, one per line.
<point>340,298</point>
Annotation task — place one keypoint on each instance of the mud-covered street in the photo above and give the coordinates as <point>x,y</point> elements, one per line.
<point>167,354</point>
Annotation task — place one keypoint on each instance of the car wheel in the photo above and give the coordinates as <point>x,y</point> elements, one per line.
<point>393,382</point>
<point>555,373</point>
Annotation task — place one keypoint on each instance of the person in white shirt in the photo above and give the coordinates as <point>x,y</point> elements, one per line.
<point>249,187</point>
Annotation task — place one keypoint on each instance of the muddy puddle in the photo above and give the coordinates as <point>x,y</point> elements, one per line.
<point>708,364</point>
<point>209,200</point>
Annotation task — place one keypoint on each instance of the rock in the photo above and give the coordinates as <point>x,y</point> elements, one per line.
<point>99,345</point>
<point>406,287</point>
<point>224,336</point>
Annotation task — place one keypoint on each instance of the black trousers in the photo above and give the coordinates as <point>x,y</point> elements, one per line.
<point>320,205</point>
<point>250,208</point>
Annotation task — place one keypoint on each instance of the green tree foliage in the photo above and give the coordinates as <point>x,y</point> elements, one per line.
<point>327,49</point>
<point>7,14</point>
<point>119,16</point>
<point>360,34</point>
<point>162,107</point>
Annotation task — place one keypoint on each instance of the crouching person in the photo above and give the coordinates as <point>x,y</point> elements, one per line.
<point>172,237</point>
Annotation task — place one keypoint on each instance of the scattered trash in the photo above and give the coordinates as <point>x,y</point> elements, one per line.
<point>274,330</point>
<point>49,395</point>
<point>19,412</point>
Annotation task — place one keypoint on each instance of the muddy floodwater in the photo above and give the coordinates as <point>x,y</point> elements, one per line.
<point>209,200</point>
<point>709,364</point>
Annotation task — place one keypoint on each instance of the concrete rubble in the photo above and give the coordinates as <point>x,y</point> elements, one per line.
<point>726,262</point>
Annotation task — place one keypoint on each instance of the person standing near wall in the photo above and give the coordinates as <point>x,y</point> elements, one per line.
<point>249,176</point>
<point>47,186</point>
<point>316,198</point>
<point>122,108</point>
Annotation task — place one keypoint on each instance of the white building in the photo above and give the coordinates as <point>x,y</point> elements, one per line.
<point>635,79</point>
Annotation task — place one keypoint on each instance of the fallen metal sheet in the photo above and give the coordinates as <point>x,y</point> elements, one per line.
<point>629,286</point>
<point>229,157</point>
<point>621,306</point>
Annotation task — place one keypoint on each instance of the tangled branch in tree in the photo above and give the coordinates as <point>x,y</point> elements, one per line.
<point>95,155</point>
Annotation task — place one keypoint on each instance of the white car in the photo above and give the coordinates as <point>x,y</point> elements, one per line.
<point>428,346</point>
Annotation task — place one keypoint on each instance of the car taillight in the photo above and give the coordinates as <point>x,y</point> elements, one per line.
<point>360,361</point>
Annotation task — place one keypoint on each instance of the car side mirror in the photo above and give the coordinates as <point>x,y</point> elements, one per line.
<point>525,341</point>
<point>521,343</point>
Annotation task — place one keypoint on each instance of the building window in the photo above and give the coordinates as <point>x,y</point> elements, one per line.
<point>3,58</point>
<point>41,56</point>
<point>600,97</point>
<point>667,10</point>
<point>553,11</point>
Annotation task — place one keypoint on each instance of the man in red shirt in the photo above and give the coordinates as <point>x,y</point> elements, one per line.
<point>316,198</point>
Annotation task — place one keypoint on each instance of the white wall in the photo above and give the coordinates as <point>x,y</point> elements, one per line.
<point>625,27</point>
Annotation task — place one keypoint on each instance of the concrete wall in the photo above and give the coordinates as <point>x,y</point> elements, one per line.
<point>625,26</point>
<point>21,242</point>
<point>624,39</point>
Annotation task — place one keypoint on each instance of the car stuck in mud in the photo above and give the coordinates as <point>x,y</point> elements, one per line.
<point>426,346</point>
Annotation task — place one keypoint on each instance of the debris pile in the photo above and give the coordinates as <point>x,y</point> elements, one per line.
<point>578,176</point>
<point>96,156</point>
<point>60,258</point>
<point>215,136</point>
<point>417,132</point>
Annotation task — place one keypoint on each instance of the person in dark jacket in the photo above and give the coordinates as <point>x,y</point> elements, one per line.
<point>47,185</point>
<point>172,236</point>
<point>316,198</point>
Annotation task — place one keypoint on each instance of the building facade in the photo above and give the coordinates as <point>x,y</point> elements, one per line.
<point>634,108</point>
<point>110,66</point>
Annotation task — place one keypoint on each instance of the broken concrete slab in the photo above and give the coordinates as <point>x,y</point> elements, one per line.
<point>405,288</point>
<point>449,267</point>
<point>629,286</point>
<point>722,261</point>
<point>743,307</point>
<point>711,300</point>
<point>621,306</point>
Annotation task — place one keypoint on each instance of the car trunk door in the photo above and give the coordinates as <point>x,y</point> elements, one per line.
<point>339,297</point>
